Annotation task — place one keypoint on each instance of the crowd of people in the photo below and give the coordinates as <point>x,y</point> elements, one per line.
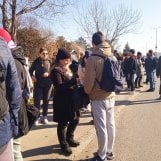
<point>59,78</point>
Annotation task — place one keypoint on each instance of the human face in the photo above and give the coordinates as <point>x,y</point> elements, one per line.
<point>64,62</point>
<point>44,55</point>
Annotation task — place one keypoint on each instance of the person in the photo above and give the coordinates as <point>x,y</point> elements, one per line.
<point>8,124</point>
<point>130,70</point>
<point>102,102</point>
<point>65,114</point>
<point>20,62</point>
<point>158,74</point>
<point>81,72</point>
<point>139,70</point>
<point>39,72</point>
<point>150,67</point>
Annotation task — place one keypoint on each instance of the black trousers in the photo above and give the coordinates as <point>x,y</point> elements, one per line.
<point>138,81</point>
<point>65,131</point>
<point>44,94</point>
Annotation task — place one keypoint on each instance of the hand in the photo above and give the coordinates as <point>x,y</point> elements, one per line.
<point>34,79</point>
<point>46,74</point>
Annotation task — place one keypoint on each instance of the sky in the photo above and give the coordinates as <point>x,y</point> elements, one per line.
<point>142,40</point>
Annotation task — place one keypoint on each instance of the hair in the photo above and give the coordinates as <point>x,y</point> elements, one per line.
<point>132,51</point>
<point>97,38</point>
<point>139,53</point>
<point>42,49</point>
<point>151,51</point>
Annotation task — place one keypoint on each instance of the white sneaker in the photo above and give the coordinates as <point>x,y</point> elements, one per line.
<point>45,120</point>
<point>37,122</point>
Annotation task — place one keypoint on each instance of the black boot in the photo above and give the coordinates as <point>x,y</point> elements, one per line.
<point>66,150</point>
<point>70,133</point>
<point>73,143</point>
<point>61,132</point>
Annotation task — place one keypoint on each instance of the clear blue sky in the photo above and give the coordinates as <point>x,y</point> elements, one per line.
<point>144,39</point>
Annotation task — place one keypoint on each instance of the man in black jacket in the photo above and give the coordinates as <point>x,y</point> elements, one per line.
<point>130,70</point>
<point>39,72</point>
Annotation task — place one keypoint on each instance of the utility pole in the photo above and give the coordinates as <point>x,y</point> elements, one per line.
<point>156,39</point>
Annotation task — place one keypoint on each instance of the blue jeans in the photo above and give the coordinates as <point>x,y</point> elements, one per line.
<point>150,75</point>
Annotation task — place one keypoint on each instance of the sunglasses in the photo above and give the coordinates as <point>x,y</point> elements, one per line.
<point>44,53</point>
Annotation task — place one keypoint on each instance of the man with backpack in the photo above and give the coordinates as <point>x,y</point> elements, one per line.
<point>102,102</point>
<point>10,98</point>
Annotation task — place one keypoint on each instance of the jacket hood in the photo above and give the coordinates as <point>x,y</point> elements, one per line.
<point>17,53</point>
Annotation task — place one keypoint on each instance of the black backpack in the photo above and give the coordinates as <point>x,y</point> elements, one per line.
<point>111,80</point>
<point>3,101</point>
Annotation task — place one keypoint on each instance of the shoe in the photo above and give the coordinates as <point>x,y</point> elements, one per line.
<point>110,156</point>
<point>37,122</point>
<point>150,90</point>
<point>140,86</point>
<point>73,143</point>
<point>66,150</point>
<point>131,92</point>
<point>97,158</point>
<point>159,98</point>
<point>45,120</point>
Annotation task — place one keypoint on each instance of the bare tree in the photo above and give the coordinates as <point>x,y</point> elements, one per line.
<point>113,22</point>
<point>13,9</point>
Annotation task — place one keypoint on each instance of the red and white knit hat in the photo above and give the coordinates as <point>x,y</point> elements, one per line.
<point>7,37</point>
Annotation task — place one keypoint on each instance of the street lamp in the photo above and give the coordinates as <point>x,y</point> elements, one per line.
<point>156,38</point>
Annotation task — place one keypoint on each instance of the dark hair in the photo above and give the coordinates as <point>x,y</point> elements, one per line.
<point>151,51</point>
<point>132,51</point>
<point>42,49</point>
<point>139,53</point>
<point>97,38</point>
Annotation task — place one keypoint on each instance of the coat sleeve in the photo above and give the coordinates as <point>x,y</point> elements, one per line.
<point>90,76</point>
<point>13,92</point>
<point>13,89</point>
<point>32,69</point>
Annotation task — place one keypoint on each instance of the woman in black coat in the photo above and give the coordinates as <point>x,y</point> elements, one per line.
<point>65,113</point>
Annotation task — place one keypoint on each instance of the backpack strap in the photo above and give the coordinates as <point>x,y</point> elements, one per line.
<point>104,58</point>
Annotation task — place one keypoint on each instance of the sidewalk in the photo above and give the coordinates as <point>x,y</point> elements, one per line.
<point>41,143</point>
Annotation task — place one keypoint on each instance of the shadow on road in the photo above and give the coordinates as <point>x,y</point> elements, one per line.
<point>53,160</point>
<point>144,101</point>
<point>42,151</point>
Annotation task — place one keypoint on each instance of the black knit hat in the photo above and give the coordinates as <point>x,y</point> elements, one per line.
<point>62,54</point>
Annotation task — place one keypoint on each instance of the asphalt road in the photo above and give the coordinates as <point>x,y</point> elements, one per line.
<point>138,132</point>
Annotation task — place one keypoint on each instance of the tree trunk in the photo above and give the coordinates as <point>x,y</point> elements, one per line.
<point>5,21</point>
<point>14,20</point>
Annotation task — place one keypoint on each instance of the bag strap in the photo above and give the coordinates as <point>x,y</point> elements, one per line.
<point>104,58</point>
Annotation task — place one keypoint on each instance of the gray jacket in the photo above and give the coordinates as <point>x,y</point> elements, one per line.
<point>8,126</point>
